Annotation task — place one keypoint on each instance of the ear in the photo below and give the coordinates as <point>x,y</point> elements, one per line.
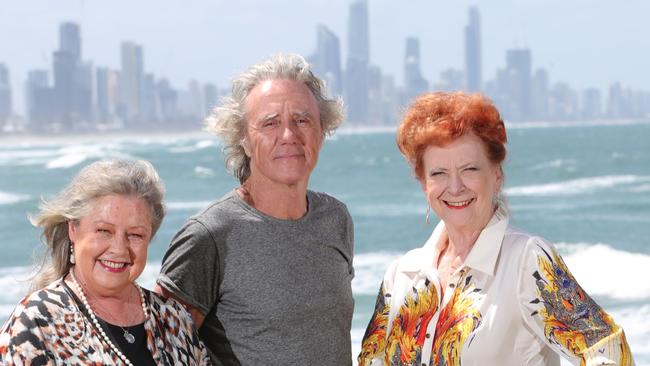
<point>72,231</point>
<point>499,177</point>
<point>246,145</point>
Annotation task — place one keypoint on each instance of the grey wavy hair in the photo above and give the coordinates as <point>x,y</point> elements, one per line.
<point>228,120</point>
<point>136,178</point>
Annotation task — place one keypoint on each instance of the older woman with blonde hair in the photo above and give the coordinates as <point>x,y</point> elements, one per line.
<point>86,307</point>
<point>479,292</point>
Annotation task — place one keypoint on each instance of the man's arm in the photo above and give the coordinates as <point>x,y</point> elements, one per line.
<point>196,314</point>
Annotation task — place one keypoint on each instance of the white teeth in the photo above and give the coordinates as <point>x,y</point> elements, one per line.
<point>112,264</point>
<point>459,204</point>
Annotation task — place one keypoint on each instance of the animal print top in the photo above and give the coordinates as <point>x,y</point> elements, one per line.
<point>48,328</point>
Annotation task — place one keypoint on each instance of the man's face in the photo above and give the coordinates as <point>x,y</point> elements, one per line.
<point>283,132</point>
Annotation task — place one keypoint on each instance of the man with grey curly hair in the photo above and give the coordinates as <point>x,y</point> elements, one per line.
<point>266,270</point>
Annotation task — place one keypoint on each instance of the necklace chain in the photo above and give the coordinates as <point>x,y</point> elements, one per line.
<point>95,321</point>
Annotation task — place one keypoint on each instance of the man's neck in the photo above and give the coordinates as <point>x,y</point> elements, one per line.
<point>282,201</point>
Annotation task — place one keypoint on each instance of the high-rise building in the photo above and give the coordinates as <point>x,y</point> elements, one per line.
<point>5,94</point>
<point>131,81</point>
<point>72,81</point>
<point>473,52</point>
<point>65,68</point>
<point>70,40</point>
<point>327,60</point>
<point>211,98</point>
<point>168,98</point>
<point>104,109</point>
<point>414,83</point>
<point>539,95</point>
<point>591,104</point>
<point>450,80</point>
<point>41,101</point>
<point>518,68</point>
<point>356,71</point>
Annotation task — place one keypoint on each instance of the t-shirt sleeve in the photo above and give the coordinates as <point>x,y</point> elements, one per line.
<point>561,313</point>
<point>350,240</point>
<point>190,267</point>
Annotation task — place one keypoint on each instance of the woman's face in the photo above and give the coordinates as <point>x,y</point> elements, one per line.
<point>110,244</point>
<point>461,183</point>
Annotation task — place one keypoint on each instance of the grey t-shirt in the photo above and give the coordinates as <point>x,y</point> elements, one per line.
<point>275,292</point>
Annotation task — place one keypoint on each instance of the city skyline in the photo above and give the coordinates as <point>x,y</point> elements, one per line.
<point>510,85</point>
<point>576,41</point>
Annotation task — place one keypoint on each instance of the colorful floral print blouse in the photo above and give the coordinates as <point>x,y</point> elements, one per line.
<point>48,328</point>
<point>513,302</point>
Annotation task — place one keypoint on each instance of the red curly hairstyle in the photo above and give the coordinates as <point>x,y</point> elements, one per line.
<point>440,118</point>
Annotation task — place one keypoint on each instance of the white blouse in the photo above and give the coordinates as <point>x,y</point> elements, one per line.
<point>512,302</point>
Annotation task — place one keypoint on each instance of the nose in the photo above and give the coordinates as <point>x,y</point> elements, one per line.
<point>289,132</point>
<point>120,244</point>
<point>455,184</point>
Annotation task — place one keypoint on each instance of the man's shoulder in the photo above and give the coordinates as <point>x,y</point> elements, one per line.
<point>218,210</point>
<point>325,201</point>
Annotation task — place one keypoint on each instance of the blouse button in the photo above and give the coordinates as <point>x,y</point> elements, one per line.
<point>428,335</point>
<point>452,285</point>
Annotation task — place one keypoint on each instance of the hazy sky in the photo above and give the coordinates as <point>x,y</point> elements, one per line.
<point>585,42</point>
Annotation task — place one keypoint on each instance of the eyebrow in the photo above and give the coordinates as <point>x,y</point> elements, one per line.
<point>302,114</point>
<point>268,117</point>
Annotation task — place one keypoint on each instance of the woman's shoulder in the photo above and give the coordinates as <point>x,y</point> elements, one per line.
<point>45,301</point>
<point>41,307</point>
<point>519,240</point>
<point>166,307</point>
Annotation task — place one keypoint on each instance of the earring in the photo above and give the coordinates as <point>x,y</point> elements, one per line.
<point>426,218</point>
<point>72,260</point>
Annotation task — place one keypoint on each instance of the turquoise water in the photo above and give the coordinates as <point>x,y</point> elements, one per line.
<point>584,187</point>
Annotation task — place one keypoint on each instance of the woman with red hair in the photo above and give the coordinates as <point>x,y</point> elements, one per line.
<point>479,292</point>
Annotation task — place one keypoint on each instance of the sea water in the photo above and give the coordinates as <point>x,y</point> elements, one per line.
<point>584,187</point>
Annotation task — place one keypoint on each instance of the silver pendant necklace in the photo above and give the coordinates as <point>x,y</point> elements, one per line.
<point>128,336</point>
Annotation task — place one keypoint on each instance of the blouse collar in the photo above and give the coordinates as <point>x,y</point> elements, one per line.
<point>482,257</point>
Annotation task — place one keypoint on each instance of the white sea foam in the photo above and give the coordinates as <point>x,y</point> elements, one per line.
<point>604,271</point>
<point>203,172</point>
<point>576,186</point>
<point>187,205</point>
<point>73,155</point>
<point>66,161</point>
<point>369,270</point>
<point>18,157</point>
<point>11,198</point>
<point>199,145</point>
<point>568,164</point>
<point>635,321</point>
<point>640,188</point>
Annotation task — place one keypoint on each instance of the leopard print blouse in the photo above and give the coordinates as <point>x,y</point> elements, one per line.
<point>48,328</point>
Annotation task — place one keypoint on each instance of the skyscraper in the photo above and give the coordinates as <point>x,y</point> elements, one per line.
<point>41,100</point>
<point>5,94</point>
<point>356,80</point>
<point>414,83</point>
<point>131,81</point>
<point>327,60</point>
<point>518,67</point>
<point>473,51</point>
<point>70,40</point>
<point>72,80</point>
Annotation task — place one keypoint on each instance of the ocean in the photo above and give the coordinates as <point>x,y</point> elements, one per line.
<point>583,186</point>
